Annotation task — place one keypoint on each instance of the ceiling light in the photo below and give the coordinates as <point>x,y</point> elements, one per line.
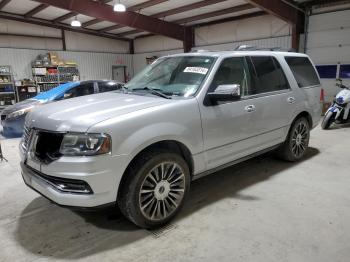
<point>119,7</point>
<point>75,23</point>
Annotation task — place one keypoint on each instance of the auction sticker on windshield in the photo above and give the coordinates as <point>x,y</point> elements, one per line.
<point>197,70</point>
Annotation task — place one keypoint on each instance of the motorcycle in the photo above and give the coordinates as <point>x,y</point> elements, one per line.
<point>339,111</point>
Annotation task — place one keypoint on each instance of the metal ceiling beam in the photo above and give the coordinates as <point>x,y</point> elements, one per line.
<point>64,17</point>
<point>91,22</point>
<point>131,32</point>
<point>323,2</point>
<point>128,18</point>
<point>185,8</point>
<point>146,4</point>
<point>110,28</point>
<point>230,10</point>
<point>72,14</point>
<point>280,9</point>
<point>3,3</point>
<point>174,11</point>
<point>36,10</point>
<point>131,8</point>
<point>220,21</point>
<point>230,19</point>
<point>42,22</point>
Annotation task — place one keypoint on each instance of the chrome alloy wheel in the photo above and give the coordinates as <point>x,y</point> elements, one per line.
<point>162,191</point>
<point>300,139</point>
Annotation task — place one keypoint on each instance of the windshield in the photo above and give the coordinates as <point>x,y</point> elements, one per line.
<point>173,76</point>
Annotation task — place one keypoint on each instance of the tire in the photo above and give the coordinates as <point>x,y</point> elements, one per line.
<point>148,199</point>
<point>327,120</point>
<point>297,142</point>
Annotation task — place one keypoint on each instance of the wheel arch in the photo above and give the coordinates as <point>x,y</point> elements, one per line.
<point>305,114</point>
<point>171,145</point>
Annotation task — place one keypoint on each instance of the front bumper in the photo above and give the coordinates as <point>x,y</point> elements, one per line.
<point>102,174</point>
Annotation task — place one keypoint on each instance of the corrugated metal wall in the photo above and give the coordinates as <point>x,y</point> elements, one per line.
<point>263,31</point>
<point>33,37</point>
<point>282,41</point>
<point>92,65</point>
<point>140,59</point>
<point>245,30</point>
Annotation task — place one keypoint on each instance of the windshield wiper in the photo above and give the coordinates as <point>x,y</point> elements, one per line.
<point>153,92</point>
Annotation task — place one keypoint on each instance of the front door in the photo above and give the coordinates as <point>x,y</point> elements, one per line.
<point>228,126</point>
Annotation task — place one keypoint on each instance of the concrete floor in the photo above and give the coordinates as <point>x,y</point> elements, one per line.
<point>260,210</point>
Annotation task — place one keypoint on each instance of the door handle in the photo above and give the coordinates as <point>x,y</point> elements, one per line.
<point>291,100</point>
<point>250,108</point>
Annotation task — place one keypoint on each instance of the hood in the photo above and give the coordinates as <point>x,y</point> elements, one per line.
<point>78,114</point>
<point>21,105</point>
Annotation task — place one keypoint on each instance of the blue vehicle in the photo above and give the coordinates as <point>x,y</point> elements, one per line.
<point>12,117</point>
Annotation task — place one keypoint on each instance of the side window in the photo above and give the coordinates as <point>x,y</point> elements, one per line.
<point>232,70</point>
<point>108,86</point>
<point>82,90</point>
<point>303,71</point>
<point>267,75</point>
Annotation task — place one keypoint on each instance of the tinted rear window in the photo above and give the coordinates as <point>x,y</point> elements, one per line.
<point>267,75</point>
<point>303,71</point>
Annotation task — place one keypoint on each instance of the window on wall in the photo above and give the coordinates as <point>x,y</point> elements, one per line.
<point>327,71</point>
<point>267,75</point>
<point>344,71</point>
<point>303,71</point>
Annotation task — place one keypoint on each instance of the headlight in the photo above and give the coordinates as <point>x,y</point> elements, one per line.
<point>75,144</point>
<point>340,100</point>
<point>19,113</point>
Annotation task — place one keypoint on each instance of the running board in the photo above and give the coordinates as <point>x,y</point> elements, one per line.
<point>234,162</point>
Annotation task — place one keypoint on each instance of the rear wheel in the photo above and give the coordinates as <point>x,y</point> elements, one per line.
<point>328,120</point>
<point>155,188</point>
<point>297,142</point>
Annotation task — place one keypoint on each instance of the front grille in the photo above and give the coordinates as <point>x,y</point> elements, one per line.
<point>47,148</point>
<point>26,138</point>
<point>3,117</point>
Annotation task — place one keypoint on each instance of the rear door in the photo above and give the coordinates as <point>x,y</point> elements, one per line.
<point>273,99</point>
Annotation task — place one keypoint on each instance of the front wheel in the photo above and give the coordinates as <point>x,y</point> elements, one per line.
<point>154,189</point>
<point>328,120</point>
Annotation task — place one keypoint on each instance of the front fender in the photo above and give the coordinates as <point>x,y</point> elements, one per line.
<point>148,135</point>
<point>131,133</point>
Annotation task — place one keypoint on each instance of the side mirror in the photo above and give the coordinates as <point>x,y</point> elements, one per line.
<point>226,93</point>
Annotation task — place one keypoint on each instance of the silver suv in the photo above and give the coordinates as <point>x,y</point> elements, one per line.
<point>183,117</point>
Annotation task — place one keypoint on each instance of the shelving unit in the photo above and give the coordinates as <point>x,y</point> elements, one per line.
<point>7,87</point>
<point>48,77</point>
<point>25,89</point>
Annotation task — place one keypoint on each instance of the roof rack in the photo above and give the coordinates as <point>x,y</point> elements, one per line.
<point>203,51</point>
<point>255,48</point>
